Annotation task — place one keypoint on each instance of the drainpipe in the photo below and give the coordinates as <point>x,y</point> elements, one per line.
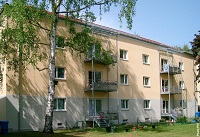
<point>169,105</point>
<point>19,87</point>
<point>93,107</point>
<point>117,66</point>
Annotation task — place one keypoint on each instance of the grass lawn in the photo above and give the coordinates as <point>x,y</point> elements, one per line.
<point>176,130</point>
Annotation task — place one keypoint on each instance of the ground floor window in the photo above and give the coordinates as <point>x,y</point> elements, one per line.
<point>59,104</point>
<point>147,104</point>
<point>124,104</point>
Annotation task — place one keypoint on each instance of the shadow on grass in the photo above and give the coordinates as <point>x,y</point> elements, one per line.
<point>82,132</point>
<point>41,134</point>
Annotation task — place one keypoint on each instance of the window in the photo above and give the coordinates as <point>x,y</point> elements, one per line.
<point>183,103</point>
<point>181,85</point>
<point>59,42</point>
<point>145,59</point>
<point>181,66</point>
<point>124,104</point>
<point>147,104</point>
<point>96,76</point>
<point>59,104</point>
<point>146,81</point>
<point>164,65</point>
<point>59,73</point>
<point>124,54</point>
<point>164,85</point>
<point>124,79</point>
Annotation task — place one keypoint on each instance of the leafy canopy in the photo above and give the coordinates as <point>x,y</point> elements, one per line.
<point>20,35</point>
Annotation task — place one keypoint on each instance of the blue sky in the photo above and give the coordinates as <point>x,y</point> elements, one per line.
<point>171,22</point>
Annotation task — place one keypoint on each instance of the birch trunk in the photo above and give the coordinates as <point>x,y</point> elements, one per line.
<point>48,128</point>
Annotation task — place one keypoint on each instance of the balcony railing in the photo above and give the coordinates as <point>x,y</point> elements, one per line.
<point>98,60</point>
<point>172,69</point>
<point>176,112</point>
<point>173,90</point>
<point>102,86</point>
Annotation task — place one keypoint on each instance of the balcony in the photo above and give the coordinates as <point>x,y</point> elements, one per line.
<point>102,86</point>
<point>175,112</point>
<point>173,70</point>
<point>99,60</point>
<point>173,90</point>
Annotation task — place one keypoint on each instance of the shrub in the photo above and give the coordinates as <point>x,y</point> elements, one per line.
<point>182,119</point>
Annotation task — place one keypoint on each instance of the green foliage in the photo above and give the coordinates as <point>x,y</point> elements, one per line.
<point>83,42</point>
<point>19,37</point>
<point>20,42</point>
<point>196,45</point>
<point>24,17</point>
<point>196,52</point>
<point>185,48</point>
<point>182,119</point>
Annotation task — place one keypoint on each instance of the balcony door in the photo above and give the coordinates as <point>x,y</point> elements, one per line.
<point>95,106</point>
<point>165,108</point>
<point>96,77</point>
<point>163,65</point>
<point>164,85</point>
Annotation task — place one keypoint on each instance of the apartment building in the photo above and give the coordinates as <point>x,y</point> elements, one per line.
<point>149,81</point>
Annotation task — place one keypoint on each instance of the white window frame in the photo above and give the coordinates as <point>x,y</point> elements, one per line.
<point>181,66</point>
<point>147,104</point>
<point>55,108</point>
<point>125,79</point>
<point>145,59</point>
<point>183,104</point>
<point>164,65</point>
<point>144,81</point>
<point>164,85</point>
<point>96,114</point>
<point>56,73</point>
<point>58,45</point>
<point>124,54</point>
<point>124,104</point>
<point>181,85</point>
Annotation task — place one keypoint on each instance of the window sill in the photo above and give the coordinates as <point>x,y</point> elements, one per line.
<point>124,59</point>
<point>57,110</point>
<point>60,79</point>
<point>147,108</point>
<point>146,63</point>
<point>60,48</point>
<point>124,84</point>
<point>123,109</point>
<point>146,86</point>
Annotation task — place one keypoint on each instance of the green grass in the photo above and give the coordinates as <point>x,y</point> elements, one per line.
<point>176,130</point>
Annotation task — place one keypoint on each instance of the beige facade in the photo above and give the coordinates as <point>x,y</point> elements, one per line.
<point>146,83</point>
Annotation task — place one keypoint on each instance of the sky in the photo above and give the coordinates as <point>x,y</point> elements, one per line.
<point>171,22</point>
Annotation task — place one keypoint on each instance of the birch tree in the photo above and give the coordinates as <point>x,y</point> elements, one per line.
<point>25,17</point>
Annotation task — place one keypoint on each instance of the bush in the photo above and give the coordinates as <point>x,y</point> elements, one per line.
<point>182,119</point>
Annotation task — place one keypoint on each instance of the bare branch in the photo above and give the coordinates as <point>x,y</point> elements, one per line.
<point>93,4</point>
<point>39,25</point>
<point>58,4</point>
<point>40,69</point>
<point>42,43</point>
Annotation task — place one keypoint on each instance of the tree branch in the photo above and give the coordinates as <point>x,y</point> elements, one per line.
<point>42,43</point>
<point>93,4</point>
<point>39,25</point>
<point>58,4</point>
<point>40,69</point>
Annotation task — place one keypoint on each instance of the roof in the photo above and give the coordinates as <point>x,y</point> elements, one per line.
<point>112,31</point>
